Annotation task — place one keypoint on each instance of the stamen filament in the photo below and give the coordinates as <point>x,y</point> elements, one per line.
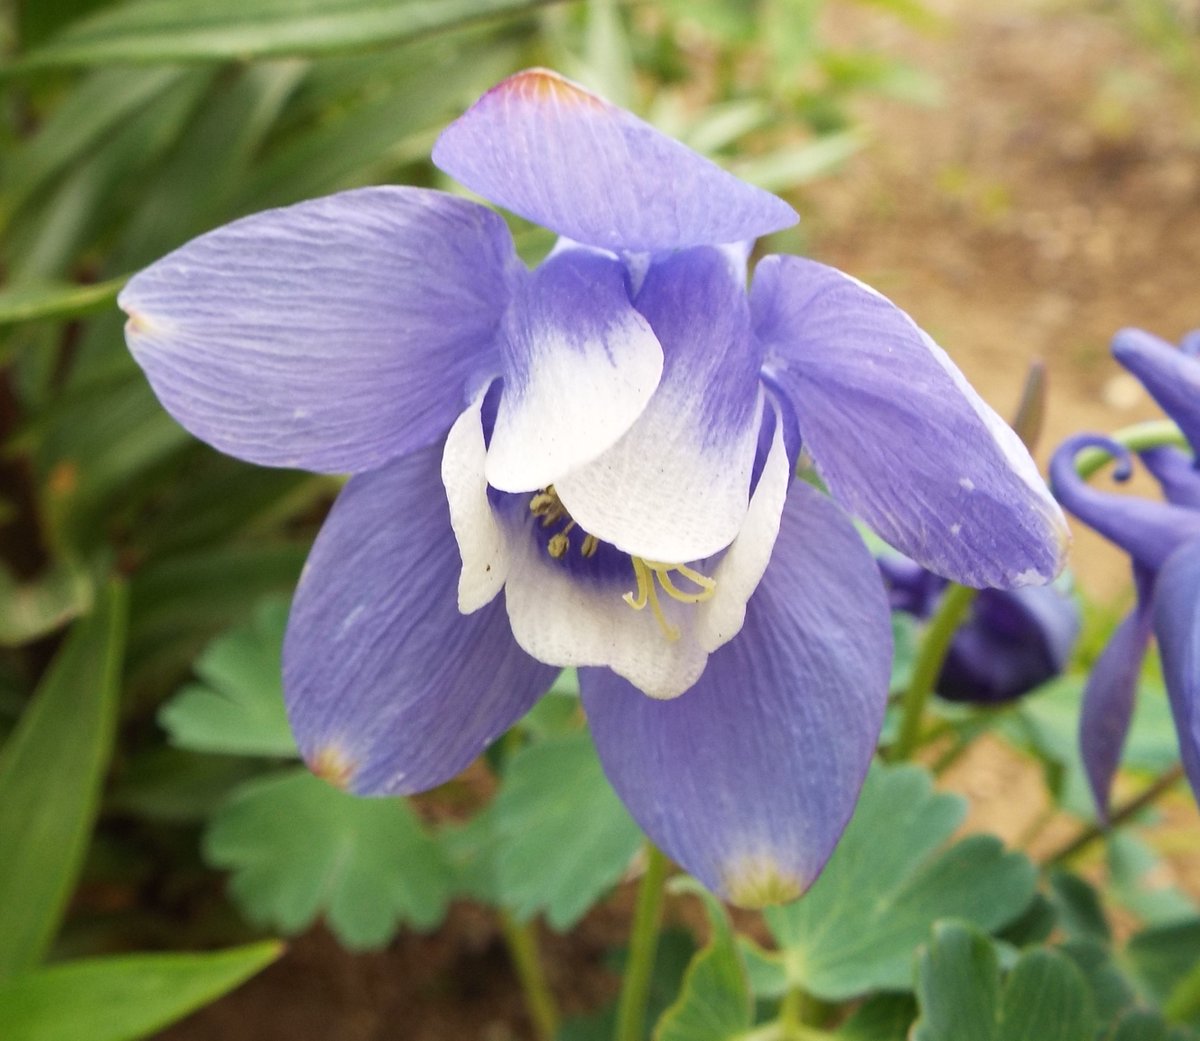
<point>652,574</point>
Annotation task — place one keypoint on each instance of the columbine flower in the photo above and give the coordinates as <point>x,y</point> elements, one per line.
<point>1163,540</point>
<point>1012,641</point>
<point>590,464</point>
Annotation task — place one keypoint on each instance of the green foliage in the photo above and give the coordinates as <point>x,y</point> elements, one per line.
<point>299,848</point>
<point>555,839</point>
<point>122,998</point>
<point>715,1002</point>
<point>157,31</point>
<point>889,879</point>
<point>51,770</point>
<point>238,710</point>
<point>962,998</point>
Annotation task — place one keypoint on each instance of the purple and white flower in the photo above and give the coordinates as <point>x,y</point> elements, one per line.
<point>1163,542</point>
<point>590,464</point>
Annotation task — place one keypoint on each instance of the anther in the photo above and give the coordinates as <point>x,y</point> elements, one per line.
<point>558,545</point>
<point>590,545</point>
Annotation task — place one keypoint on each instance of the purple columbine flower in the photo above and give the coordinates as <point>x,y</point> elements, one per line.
<point>1163,541</point>
<point>590,464</point>
<point>1012,641</point>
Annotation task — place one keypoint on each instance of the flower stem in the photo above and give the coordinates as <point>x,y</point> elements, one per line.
<point>643,944</point>
<point>949,615</point>
<point>539,1001</point>
<point>1136,438</point>
<point>1119,816</point>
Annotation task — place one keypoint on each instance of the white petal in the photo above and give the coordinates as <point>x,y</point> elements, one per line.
<point>565,619</point>
<point>742,567</point>
<point>481,539</point>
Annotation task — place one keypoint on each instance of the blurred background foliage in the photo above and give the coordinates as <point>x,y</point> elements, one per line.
<point>143,577</point>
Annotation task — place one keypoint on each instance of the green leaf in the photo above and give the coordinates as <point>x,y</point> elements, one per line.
<point>238,710</point>
<point>1162,961</point>
<point>961,999</point>
<point>56,300</point>
<point>51,770</point>
<point>715,1002</point>
<point>33,609</point>
<point>161,31</point>
<point>102,102</point>
<point>888,881</point>
<point>122,998</point>
<point>882,1017</point>
<point>298,848</point>
<point>563,838</point>
<point>1079,908</point>
<point>178,787</point>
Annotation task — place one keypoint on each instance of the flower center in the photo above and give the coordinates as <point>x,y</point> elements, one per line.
<point>651,575</point>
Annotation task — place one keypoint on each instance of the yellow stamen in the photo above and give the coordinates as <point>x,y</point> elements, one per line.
<point>590,545</point>
<point>558,545</point>
<point>663,573</point>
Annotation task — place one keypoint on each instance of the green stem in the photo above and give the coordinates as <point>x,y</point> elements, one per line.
<point>1136,438</point>
<point>949,615</point>
<point>643,944</point>
<point>1119,816</point>
<point>539,1001</point>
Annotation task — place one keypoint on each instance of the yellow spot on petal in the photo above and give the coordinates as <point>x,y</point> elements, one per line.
<point>759,880</point>
<point>547,85</point>
<point>333,767</point>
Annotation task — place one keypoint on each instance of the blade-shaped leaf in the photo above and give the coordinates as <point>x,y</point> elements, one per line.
<point>51,770</point>
<point>159,31</point>
<point>299,848</point>
<point>888,881</point>
<point>122,998</point>
<point>239,708</point>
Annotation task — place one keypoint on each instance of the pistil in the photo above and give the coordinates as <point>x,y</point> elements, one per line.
<point>652,575</point>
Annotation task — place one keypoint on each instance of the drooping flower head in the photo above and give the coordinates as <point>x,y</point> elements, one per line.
<point>1012,641</point>
<point>1162,539</point>
<point>590,464</point>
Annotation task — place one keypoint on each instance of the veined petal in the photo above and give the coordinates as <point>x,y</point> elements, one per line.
<point>390,689</point>
<point>901,438</point>
<point>333,335</point>
<point>1148,531</point>
<point>579,365</point>
<point>481,542</point>
<point>1172,376</point>
<point>749,778</point>
<point>1109,696</point>
<point>562,157</point>
<point>675,488</point>
<point>570,612</point>
<point>1177,626</point>
<point>742,566</point>
<point>1175,472</point>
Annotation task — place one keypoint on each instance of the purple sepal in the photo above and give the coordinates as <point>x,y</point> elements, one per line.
<point>1108,698</point>
<point>1148,531</point>
<point>560,156</point>
<point>748,778</point>
<point>1171,375</point>
<point>389,688</point>
<point>1177,626</point>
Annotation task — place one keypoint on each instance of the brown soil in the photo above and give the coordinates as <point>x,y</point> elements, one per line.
<point>1053,198</point>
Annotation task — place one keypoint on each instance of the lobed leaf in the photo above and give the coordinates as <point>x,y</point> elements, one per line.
<point>887,882</point>
<point>299,848</point>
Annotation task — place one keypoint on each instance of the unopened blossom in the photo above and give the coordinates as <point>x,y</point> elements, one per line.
<point>590,464</point>
<point>1011,642</point>
<point>1162,539</point>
